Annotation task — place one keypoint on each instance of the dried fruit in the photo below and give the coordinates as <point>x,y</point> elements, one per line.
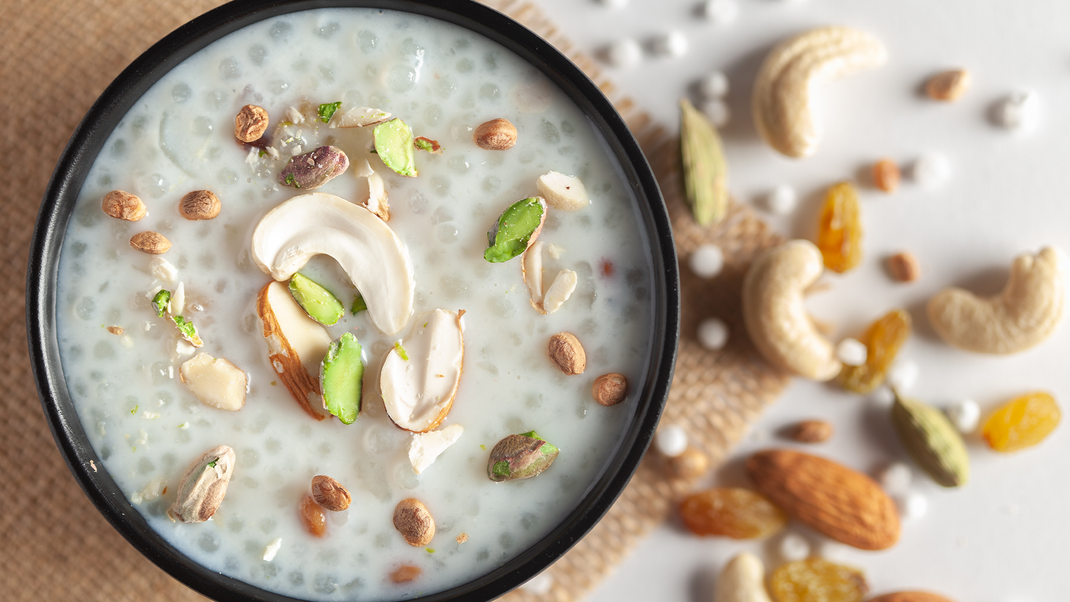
<point>932,441</point>
<point>691,464</point>
<point>839,235</point>
<point>116,330</point>
<point>704,169</point>
<point>342,377</point>
<point>405,573</point>
<point>904,267</point>
<point>520,457</point>
<point>414,522</point>
<point>515,230</point>
<point>199,205</point>
<point>319,303</point>
<point>886,175</point>
<point>811,431</point>
<point>1022,422</point>
<point>215,381</point>
<point>948,85</point>
<point>312,516</point>
<point>846,505</point>
<point>250,123</point>
<point>818,580</point>
<point>394,145</point>
<point>883,339</point>
<point>911,597</point>
<point>150,242</point>
<point>123,205</point>
<point>315,168</point>
<point>203,486</point>
<point>732,512</point>
<point>610,389</point>
<point>496,134</point>
<point>330,494</point>
<point>566,351</point>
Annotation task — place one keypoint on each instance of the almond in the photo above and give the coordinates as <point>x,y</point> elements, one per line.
<point>496,134</point>
<point>150,242</point>
<point>567,352</point>
<point>844,504</point>
<point>414,522</point>
<point>330,494</point>
<point>199,205</point>
<point>123,205</point>
<point>911,597</point>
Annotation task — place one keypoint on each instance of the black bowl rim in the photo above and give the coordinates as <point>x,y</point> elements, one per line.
<point>86,142</point>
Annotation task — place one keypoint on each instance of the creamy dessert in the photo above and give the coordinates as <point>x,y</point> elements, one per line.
<point>163,381</point>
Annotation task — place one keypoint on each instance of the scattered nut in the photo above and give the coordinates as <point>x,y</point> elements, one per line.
<point>123,205</point>
<point>811,431</point>
<point>742,580</point>
<point>198,205</point>
<point>116,330</point>
<point>886,175</point>
<point>250,123</point>
<point>215,381</point>
<point>414,522</point>
<point>520,457</point>
<point>314,168</point>
<point>948,86</point>
<point>610,389</point>
<point>496,134</point>
<point>405,573</point>
<point>463,537</point>
<point>566,351</point>
<point>330,494</point>
<point>563,192</point>
<point>150,242</point>
<point>904,267</point>
<point>203,486</point>
<point>691,464</point>
<point>312,516</point>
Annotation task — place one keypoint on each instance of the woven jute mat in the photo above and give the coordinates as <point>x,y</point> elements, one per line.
<point>58,56</point>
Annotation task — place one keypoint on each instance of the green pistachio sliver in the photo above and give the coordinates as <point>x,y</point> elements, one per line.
<point>704,168</point>
<point>187,330</point>
<point>359,305</point>
<point>342,377</point>
<point>401,351</point>
<point>516,228</point>
<point>326,111</point>
<point>319,303</point>
<point>161,301</point>
<point>394,145</point>
<point>429,145</point>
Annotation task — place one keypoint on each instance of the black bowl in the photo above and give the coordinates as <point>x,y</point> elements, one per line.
<point>132,83</point>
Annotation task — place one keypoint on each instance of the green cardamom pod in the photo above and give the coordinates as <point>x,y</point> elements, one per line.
<point>932,441</point>
<point>705,172</point>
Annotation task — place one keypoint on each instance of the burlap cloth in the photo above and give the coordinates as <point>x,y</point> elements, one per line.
<point>58,56</point>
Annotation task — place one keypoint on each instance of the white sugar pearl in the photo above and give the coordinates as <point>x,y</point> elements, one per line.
<point>782,200</point>
<point>718,112</point>
<point>930,169</point>
<point>720,12</point>
<point>1017,111</point>
<point>965,415</point>
<point>624,53</point>
<point>671,441</point>
<point>707,261</point>
<point>673,43</point>
<point>794,547</point>
<point>902,375</point>
<point>540,584</point>
<point>713,333</point>
<point>895,478</point>
<point>852,352</point>
<point>614,3</point>
<point>911,505</point>
<point>714,85</point>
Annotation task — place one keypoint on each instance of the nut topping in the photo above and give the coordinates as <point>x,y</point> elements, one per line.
<point>203,486</point>
<point>414,522</point>
<point>250,123</point>
<point>811,431</point>
<point>904,267</point>
<point>496,134</point>
<point>610,389</point>
<point>567,352</point>
<point>150,242</point>
<point>330,494</point>
<point>199,204</point>
<point>123,205</point>
<point>948,86</point>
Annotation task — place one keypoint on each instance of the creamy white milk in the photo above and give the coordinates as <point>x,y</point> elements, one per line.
<point>147,427</point>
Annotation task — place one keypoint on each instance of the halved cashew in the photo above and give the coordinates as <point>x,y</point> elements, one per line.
<point>781,101</point>
<point>1024,314</point>
<point>742,580</point>
<point>774,315</point>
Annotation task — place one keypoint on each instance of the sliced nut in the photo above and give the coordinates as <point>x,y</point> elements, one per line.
<point>567,353</point>
<point>199,204</point>
<point>566,193</point>
<point>250,123</point>
<point>116,330</point>
<point>742,580</point>
<point>948,86</point>
<point>774,315</point>
<point>216,382</point>
<point>330,494</point>
<point>414,522</point>
<point>691,464</point>
<point>886,175</point>
<point>315,168</point>
<point>811,431</point>
<point>358,117</point>
<point>425,448</point>
<point>610,389</point>
<point>150,242</point>
<point>1027,311</point>
<point>496,134</point>
<point>531,272</point>
<point>781,101</point>
<point>123,205</point>
<point>203,486</point>
<point>904,267</point>
<point>405,573</point>
<point>312,516</point>
<point>420,375</point>
<point>560,290</point>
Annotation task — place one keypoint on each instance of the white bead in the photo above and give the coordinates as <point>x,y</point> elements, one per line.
<point>707,261</point>
<point>902,375</point>
<point>930,169</point>
<point>1019,110</point>
<point>673,43</point>
<point>671,441</point>
<point>720,12</point>
<point>714,85</point>
<point>782,200</point>
<point>624,53</point>
<point>614,3</point>
<point>540,584</point>
<point>895,478</point>
<point>718,112</point>
<point>911,505</point>
<point>794,547</point>
<point>965,415</point>
<point>713,333</point>
<point>852,352</point>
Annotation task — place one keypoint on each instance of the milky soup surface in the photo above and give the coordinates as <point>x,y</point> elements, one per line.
<point>443,81</point>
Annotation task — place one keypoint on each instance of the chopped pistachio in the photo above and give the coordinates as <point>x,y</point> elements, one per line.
<point>188,331</point>
<point>516,228</point>
<point>341,378</point>
<point>520,457</point>
<point>394,145</point>
<point>326,111</point>
<point>401,351</point>
<point>359,305</point>
<point>319,303</point>
<point>160,302</point>
<point>429,145</point>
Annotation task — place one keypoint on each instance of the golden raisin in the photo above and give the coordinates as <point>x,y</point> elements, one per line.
<point>1023,422</point>
<point>818,580</point>
<point>839,235</point>
<point>886,175</point>
<point>735,513</point>
<point>312,517</point>
<point>882,339</point>
<point>405,573</point>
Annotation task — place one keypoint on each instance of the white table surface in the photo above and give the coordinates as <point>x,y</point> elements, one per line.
<point>1003,537</point>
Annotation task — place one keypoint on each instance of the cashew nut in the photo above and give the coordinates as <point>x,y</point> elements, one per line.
<point>781,99</point>
<point>774,315</point>
<point>1024,314</point>
<point>742,580</point>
